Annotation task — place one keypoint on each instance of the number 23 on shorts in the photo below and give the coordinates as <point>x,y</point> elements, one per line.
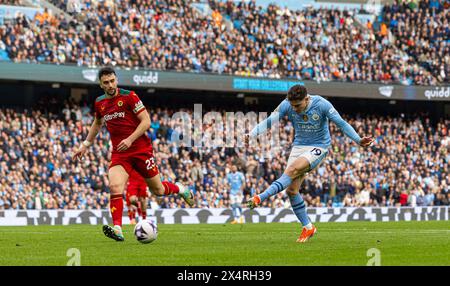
<point>150,162</point>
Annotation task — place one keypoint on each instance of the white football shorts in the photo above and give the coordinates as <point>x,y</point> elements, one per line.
<point>236,199</point>
<point>314,155</point>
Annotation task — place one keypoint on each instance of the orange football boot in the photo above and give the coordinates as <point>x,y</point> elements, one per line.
<point>306,234</point>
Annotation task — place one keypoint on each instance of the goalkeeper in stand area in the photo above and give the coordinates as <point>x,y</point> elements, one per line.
<point>310,115</point>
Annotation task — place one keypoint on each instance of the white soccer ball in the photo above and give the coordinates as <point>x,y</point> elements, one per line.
<point>146,231</point>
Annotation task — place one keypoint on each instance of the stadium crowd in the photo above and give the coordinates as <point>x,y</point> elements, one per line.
<point>407,166</point>
<point>423,32</point>
<point>12,2</point>
<point>315,44</point>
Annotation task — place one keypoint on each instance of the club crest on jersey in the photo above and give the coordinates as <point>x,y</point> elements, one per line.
<point>120,103</point>
<point>315,116</point>
<point>102,107</point>
<point>305,117</point>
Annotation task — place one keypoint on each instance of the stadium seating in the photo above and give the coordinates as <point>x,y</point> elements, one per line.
<point>315,44</point>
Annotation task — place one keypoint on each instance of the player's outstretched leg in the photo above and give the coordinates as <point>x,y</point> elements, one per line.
<point>277,186</point>
<point>166,188</point>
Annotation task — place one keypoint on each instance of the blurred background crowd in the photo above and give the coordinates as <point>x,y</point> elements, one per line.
<point>407,165</point>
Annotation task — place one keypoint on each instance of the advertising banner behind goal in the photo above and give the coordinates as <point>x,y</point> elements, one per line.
<point>223,215</point>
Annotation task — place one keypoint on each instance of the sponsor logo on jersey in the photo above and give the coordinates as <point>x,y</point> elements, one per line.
<point>120,103</point>
<point>138,106</point>
<point>115,115</point>
<point>315,116</point>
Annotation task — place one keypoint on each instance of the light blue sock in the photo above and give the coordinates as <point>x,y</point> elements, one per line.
<point>233,206</point>
<point>299,208</point>
<point>279,185</point>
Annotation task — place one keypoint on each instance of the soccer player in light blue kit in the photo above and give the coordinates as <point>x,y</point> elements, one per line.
<point>309,115</point>
<point>236,181</point>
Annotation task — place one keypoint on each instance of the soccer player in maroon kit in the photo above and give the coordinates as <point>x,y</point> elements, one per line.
<point>127,120</point>
<point>136,197</point>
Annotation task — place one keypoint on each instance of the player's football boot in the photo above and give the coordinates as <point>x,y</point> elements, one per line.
<point>186,194</point>
<point>241,220</point>
<point>254,202</point>
<point>306,234</point>
<point>234,221</point>
<point>133,221</point>
<point>113,232</point>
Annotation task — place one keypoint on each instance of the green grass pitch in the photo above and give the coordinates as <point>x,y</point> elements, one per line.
<point>399,243</point>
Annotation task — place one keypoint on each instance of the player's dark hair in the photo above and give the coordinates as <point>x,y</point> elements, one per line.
<point>105,71</point>
<point>297,92</point>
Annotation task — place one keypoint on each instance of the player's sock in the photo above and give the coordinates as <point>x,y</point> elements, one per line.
<point>238,212</point>
<point>116,208</point>
<point>131,214</point>
<point>234,211</point>
<point>299,208</point>
<point>139,211</point>
<point>144,213</point>
<point>170,188</point>
<point>279,185</point>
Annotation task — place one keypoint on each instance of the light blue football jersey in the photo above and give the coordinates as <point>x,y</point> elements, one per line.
<point>311,125</point>
<point>236,180</point>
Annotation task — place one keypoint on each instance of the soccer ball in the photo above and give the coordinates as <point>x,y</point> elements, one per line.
<point>146,231</point>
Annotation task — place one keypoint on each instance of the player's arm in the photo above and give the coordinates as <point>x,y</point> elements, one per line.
<point>93,131</point>
<point>274,117</point>
<point>144,118</point>
<point>348,130</point>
